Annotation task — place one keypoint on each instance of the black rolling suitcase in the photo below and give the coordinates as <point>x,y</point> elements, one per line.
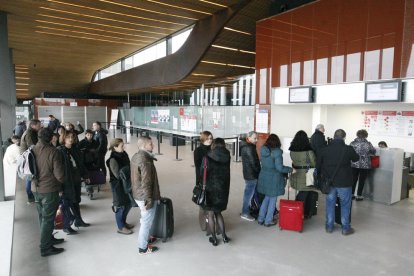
<point>310,202</point>
<point>163,225</point>
<point>338,212</point>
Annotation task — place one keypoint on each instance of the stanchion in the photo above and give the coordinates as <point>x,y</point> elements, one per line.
<point>176,148</point>
<point>237,149</point>
<point>158,142</point>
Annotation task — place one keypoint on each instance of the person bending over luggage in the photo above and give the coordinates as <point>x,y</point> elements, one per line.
<point>251,170</point>
<point>146,191</point>
<point>361,168</point>
<point>271,181</point>
<point>217,188</point>
<point>303,158</point>
<point>121,204</point>
<point>335,162</point>
<point>206,138</point>
<point>71,197</point>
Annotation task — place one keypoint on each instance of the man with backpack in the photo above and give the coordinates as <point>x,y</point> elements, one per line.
<point>46,186</point>
<point>29,138</point>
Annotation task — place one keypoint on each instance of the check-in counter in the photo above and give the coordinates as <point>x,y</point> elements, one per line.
<point>384,184</point>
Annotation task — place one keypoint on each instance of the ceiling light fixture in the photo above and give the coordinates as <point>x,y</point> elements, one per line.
<point>88,28</point>
<point>233,49</point>
<point>17,83</point>
<point>112,20</point>
<point>141,9</point>
<point>237,31</point>
<point>227,64</point>
<point>100,24</point>
<point>21,72</point>
<point>117,13</point>
<point>22,78</point>
<point>86,33</point>
<point>212,3</point>
<point>83,37</point>
<point>178,7</point>
<point>202,75</point>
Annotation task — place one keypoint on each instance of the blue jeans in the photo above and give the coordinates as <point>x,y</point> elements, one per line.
<point>29,193</point>
<point>248,194</point>
<point>147,217</point>
<point>121,214</point>
<point>267,209</point>
<point>345,197</point>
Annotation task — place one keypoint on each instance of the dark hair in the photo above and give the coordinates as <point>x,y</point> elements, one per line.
<point>204,135</point>
<point>273,141</point>
<point>15,137</point>
<point>300,142</point>
<point>34,122</point>
<point>89,131</point>
<point>382,143</point>
<point>339,134</point>
<point>66,134</point>
<point>218,143</point>
<point>98,123</point>
<point>45,135</point>
<point>51,116</point>
<point>362,133</point>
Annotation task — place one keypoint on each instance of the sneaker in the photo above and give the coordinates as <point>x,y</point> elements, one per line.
<point>260,222</point>
<point>129,226</point>
<point>150,249</point>
<point>348,232</point>
<point>359,198</point>
<point>273,223</point>
<point>124,231</point>
<point>51,251</point>
<point>328,230</point>
<point>247,217</point>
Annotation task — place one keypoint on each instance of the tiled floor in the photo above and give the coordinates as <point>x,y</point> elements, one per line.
<point>382,245</point>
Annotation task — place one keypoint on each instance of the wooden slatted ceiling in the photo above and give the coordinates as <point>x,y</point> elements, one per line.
<point>63,42</point>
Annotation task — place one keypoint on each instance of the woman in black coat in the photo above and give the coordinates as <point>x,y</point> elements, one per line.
<point>121,203</point>
<point>217,188</point>
<point>74,169</point>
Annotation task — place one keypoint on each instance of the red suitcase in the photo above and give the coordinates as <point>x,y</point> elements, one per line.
<point>291,215</point>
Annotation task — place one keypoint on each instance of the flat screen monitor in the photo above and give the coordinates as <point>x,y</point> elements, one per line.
<point>384,91</point>
<point>301,94</point>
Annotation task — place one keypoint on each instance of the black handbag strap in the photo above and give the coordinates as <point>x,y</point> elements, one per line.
<point>339,163</point>
<point>204,172</point>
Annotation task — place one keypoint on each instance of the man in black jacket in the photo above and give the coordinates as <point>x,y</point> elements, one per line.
<point>334,161</point>
<point>251,170</point>
<point>318,139</point>
<point>100,138</point>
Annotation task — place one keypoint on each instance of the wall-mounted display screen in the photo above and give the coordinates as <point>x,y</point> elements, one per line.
<point>300,94</point>
<point>386,91</point>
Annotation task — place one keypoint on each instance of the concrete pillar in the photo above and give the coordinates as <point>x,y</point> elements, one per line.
<point>8,93</point>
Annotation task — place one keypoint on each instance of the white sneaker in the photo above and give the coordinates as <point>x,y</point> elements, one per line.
<point>247,217</point>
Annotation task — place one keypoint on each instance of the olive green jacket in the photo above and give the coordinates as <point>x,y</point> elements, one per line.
<point>300,159</point>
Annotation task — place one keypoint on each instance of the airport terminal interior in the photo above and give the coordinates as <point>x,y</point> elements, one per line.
<point>172,69</point>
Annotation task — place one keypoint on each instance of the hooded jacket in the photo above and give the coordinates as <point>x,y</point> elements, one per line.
<point>250,160</point>
<point>218,179</point>
<point>271,179</point>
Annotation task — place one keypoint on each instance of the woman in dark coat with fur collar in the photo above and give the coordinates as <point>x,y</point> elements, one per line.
<point>217,187</point>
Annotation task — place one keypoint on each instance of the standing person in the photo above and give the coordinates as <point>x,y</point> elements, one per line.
<point>217,188</point>
<point>337,156</point>
<point>206,138</point>
<point>71,197</point>
<point>146,191</point>
<point>53,123</point>
<point>46,188</point>
<point>88,148</point>
<point>10,166</point>
<point>121,203</point>
<point>19,129</point>
<point>251,170</point>
<point>382,144</point>
<point>71,127</point>
<point>361,168</point>
<point>29,138</point>
<point>318,140</point>
<point>100,138</point>
<point>271,181</point>
<point>303,158</point>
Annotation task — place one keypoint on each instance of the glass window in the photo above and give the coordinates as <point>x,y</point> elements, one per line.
<point>371,66</point>
<point>129,63</point>
<point>387,63</point>
<point>353,66</point>
<point>154,52</point>
<point>111,70</point>
<point>178,40</point>
<point>295,73</point>
<point>283,75</point>
<point>308,72</point>
<point>337,69</point>
<point>322,70</point>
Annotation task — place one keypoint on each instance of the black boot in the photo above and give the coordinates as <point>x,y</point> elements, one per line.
<point>51,251</point>
<point>78,219</point>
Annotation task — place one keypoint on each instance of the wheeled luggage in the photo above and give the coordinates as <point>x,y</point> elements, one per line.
<point>291,215</point>
<point>338,211</point>
<point>310,202</point>
<point>96,178</point>
<point>163,225</point>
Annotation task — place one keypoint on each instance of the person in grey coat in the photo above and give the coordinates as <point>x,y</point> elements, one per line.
<point>360,168</point>
<point>271,181</point>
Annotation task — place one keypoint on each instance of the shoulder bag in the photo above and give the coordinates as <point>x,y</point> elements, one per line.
<point>310,180</point>
<point>325,182</point>
<point>199,191</point>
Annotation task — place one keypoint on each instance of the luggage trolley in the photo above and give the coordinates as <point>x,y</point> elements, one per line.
<point>97,178</point>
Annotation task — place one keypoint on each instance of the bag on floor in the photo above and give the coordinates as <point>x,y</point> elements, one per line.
<point>97,178</point>
<point>310,202</point>
<point>163,224</point>
<point>291,215</point>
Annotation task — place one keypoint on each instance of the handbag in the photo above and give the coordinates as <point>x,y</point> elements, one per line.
<point>325,182</point>
<point>199,191</point>
<point>375,161</point>
<point>310,180</point>
<point>59,218</point>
